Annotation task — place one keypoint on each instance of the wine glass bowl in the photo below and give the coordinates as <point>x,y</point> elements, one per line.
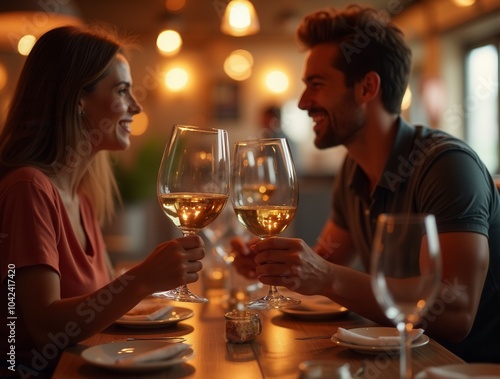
<point>264,192</point>
<point>405,273</point>
<point>193,185</point>
<point>191,212</point>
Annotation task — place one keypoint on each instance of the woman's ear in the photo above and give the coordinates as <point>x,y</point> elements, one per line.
<point>81,107</point>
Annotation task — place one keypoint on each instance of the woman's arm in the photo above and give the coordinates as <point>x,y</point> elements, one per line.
<point>71,320</point>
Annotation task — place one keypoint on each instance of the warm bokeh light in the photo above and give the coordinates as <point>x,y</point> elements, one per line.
<point>240,19</point>
<point>169,42</point>
<point>175,5</point>
<point>464,3</point>
<point>238,65</point>
<point>239,16</point>
<point>405,104</point>
<point>3,76</point>
<point>176,79</point>
<point>140,124</point>
<point>25,44</point>
<point>277,81</point>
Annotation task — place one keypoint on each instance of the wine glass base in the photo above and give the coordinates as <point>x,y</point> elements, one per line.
<point>182,296</point>
<point>273,302</point>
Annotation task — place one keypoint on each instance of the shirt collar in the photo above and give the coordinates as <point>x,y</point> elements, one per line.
<point>395,166</point>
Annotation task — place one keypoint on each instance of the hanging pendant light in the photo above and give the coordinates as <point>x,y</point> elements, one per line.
<point>464,3</point>
<point>240,19</point>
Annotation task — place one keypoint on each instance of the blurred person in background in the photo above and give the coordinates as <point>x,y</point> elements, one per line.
<point>270,123</point>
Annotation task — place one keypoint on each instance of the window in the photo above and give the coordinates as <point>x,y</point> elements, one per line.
<point>482,102</point>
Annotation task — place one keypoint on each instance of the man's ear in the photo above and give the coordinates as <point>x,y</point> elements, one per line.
<point>369,87</point>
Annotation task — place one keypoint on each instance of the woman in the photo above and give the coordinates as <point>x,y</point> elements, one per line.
<point>73,103</point>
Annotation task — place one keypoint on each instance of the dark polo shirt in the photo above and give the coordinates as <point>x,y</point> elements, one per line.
<point>429,171</point>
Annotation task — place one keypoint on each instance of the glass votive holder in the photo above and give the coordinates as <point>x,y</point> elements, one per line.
<point>319,369</point>
<point>242,326</point>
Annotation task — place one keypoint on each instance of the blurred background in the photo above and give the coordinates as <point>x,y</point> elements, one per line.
<point>195,68</point>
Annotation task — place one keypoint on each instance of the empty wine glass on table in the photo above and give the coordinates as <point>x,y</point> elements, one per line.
<point>193,185</point>
<point>405,273</point>
<point>264,193</point>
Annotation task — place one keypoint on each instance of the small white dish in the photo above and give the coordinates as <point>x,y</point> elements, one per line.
<point>376,332</point>
<point>466,369</point>
<point>315,307</point>
<point>107,356</point>
<point>178,314</point>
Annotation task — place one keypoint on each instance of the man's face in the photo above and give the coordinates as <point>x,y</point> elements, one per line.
<point>329,102</point>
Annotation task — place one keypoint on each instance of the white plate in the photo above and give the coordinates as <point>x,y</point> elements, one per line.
<point>178,314</point>
<point>106,355</point>
<point>467,369</point>
<point>377,332</point>
<point>314,307</point>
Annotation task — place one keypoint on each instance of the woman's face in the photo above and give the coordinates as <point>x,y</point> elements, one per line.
<point>110,107</point>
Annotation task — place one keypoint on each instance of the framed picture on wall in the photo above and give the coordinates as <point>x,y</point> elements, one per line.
<point>226,98</point>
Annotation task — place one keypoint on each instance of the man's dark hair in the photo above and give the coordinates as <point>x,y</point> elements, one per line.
<point>367,42</point>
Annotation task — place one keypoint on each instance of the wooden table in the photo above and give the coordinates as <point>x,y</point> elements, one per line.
<point>274,354</point>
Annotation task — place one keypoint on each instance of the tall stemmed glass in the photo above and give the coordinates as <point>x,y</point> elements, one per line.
<point>265,197</point>
<point>405,273</point>
<point>193,185</point>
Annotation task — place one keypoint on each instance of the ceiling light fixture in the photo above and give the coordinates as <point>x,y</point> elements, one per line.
<point>240,19</point>
<point>464,3</point>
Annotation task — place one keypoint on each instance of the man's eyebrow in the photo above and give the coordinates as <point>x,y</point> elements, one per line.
<point>310,78</point>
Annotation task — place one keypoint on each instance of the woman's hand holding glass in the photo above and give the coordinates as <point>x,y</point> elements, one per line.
<point>171,264</point>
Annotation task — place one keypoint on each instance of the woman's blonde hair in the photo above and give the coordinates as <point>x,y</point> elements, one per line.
<point>44,127</point>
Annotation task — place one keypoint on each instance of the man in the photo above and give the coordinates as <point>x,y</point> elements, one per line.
<point>355,76</point>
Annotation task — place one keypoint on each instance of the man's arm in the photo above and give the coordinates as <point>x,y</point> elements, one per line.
<point>290,262</point>
<point>335,244</point>
<point>465,258</point>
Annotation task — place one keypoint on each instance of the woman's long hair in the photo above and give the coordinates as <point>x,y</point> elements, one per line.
<point>44,127</point>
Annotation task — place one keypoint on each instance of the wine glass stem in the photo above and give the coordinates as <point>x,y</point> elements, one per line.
<point>273,291</point>
<point>405,371</point>
<point>183,288</point>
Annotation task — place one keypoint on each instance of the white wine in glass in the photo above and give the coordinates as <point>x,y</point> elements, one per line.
<point>193,185</point>
<point>265,197</point>
<point>405,273</point>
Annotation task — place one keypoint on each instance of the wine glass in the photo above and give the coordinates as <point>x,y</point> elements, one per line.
<point>193,185</point>
<point>405,273</point>
<point>265,196</point>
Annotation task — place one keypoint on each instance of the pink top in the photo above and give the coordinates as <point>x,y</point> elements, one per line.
<point>35,230</point>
